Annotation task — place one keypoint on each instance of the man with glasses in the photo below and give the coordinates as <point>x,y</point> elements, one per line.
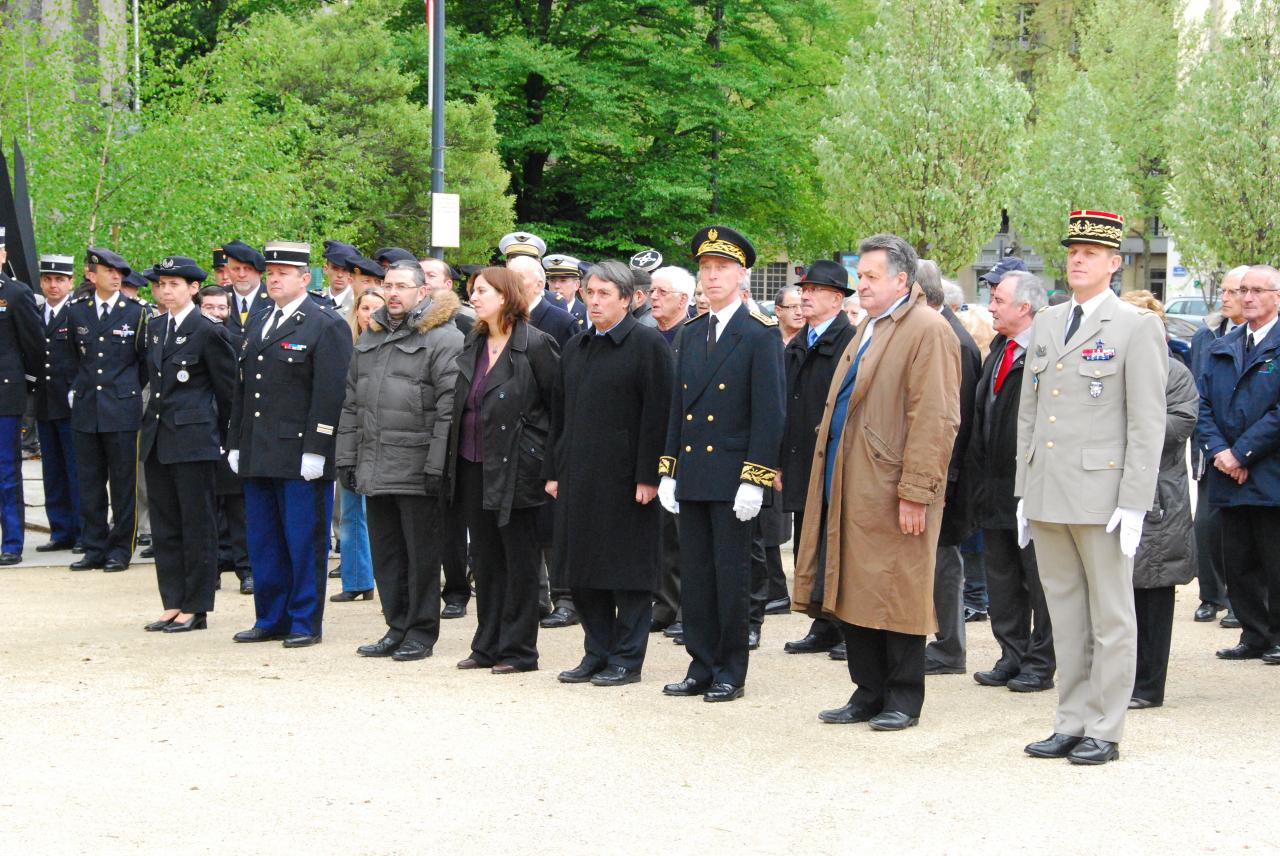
<point>788,311</point>
<point>1239,430</point>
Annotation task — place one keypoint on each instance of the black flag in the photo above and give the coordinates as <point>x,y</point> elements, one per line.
<point>15,215</point>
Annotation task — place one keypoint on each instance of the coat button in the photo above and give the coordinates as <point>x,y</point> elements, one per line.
<point>1053,419</point>
<point>504,460</point>
<point>1055,392</point>
<point>99,371</point>
<point>259,357</point>
<point>257,395</point>
<point>99,389</point>
<point>1111,464</point>
<point>257,377</point>
<point>710,449</point>
<point>102,338</point>
<point>1049,445</point>
<point>503,427</point>
<point>722,386</point>
<point>688,417</point>
<point>710,418</point>
<point>686,386</point>
<point>1058,366</point>
<point>796,396</point>
<point>157,396</point>
<point>1097,373</point>
<point>688,448</point>
<point>256,414</point>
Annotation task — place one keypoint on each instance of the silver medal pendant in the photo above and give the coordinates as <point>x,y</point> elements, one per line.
<point>1095,389</point>
<point>184,376</point>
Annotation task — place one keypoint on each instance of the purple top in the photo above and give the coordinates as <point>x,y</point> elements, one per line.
<point>471,435</point>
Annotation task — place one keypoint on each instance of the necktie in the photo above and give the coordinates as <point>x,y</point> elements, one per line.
<point>1005,362</point>
<point>173,330</point>
<point>1248,342</point>
<point>244,310</point>
<point>102,311</point>
<point>1076,314</point>
<point>711,334</point>
<point>275,322</point>
<point>813,336</point>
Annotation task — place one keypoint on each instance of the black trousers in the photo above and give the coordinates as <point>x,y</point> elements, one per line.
<point>616,625</point>
<point>1019,614</point>
<point>1209,569</point>
<point>1251,552</point>
<point>887,667</point>
<point>1154,609</point>
<point>666,607</point>
<point>777,577</point>
<point>183,532</point>
<point>759,577</point>
<point>715,576</point>
<point>506,571</point>
<point>233,550</point>
<point>949,647</point>
<point>404,542</point>
<point>108,460</point>
<point>457,587</point>
<point>825,629</point>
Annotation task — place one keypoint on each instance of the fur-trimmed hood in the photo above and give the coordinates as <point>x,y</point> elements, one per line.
<point>427,315</point>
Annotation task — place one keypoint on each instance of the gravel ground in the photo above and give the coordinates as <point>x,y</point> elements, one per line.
<point>116,740</point>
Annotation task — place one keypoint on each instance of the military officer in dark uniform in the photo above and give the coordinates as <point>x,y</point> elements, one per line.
<point>21,349</point>
<point>249,297</point>
<point>282,444</point>
<point>522,244</point>
<point>723,435</point>
<point>108,332</point>
<point>53,413</point>
<point>564,280</point>
<point>192,369</point>
<point>221,276</point>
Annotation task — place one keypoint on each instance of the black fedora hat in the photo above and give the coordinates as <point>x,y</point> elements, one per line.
<point>829,274</point>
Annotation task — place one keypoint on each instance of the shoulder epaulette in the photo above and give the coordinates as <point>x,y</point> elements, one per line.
<point>696,317</point>
<point>765,319</point>
<point>1042,309</point>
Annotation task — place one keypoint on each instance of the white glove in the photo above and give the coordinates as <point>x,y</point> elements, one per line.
<point>312,466</point>
<point>1130,522</point>
<point>667,494</point>
<point>71,398</point>
<point>233,461</point>
<point>746,505</point>
<point>1024,528</point>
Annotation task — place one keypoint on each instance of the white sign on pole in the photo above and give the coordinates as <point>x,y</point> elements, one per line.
<point>445,216</point>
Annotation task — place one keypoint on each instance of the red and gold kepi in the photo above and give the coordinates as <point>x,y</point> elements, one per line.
<point>1095,227</point>
<point>723,242</point>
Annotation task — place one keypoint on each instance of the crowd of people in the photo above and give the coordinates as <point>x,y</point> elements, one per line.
<point>626,446</point>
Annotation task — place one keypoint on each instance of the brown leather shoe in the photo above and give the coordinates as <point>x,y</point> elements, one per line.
<point>508,669</point>
<point>472,663</point>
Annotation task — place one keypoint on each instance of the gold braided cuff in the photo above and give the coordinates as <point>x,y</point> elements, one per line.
<point>758,475</point>
<point>667,466</point>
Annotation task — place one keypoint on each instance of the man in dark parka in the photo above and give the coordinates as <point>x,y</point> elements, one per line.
<point>608,425</point>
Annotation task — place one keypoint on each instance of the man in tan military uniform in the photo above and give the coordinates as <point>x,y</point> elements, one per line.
<point>1090,431</point>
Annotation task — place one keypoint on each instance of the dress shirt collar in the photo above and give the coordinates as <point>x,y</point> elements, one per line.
<point>723,316</point>
<point>1261,333</point>
<point>110,302</point>
<point>181,316</point>
<point>1089,306</point>
<point>822,327</point>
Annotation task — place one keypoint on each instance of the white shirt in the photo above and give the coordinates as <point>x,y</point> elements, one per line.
<point>723,316</point>
<point>342,301</point>
<point>871,325</point>
<point>110,303</point>
<point>1088,306</point>
<point>821,328</point>
<point>181,316</point>
<point>287,310</point>
<point>239,300</point>
<point>1261,332</point>
<point>51,310</point>
<point>534,304</point>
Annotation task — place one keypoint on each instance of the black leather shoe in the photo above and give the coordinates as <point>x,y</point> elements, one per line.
<point>156,626</point>
<point>846,715</point>
<point>198,621</point>
<point>972,615</point>
<point>1272,655</point>
<point>615,676</point>
<point>335,573</point>
<point>892,720</point>
<point>687,687</point>
<point>838,652</point>
<point>1143,704</point>
<point>1054,746</point>
<point>453,610</point>
<point>1241,652</point>
<point>673,630</point>
<point>258,634</point>
<point>753,640</point>
<point>781,606</point>
<point>54,546</point>
<point>992,677</point>
<point>579,674</point>
<point>411,649</point>
<point>148,552</point>
<point>1029,683</point>
<point>88,564</point>
<point>301,640</point>
<point>678,639</point>
<point>656,626</point>
<point>144,540</point>
<point>561,616</point>
<point>246,584</point>
<point>934,668</point>
<point>115,566</point>
<point>348,596</point>
<point>723,692</point>
<point>1207,612</point>
<point>78,549</point>
<point>810,644</point>
<point>10,558</point>
<point>1092,751</point>
<point>1229,620</point>
<point>384,647</point>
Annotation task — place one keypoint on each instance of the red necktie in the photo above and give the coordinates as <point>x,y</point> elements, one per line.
<point>1005,363</point>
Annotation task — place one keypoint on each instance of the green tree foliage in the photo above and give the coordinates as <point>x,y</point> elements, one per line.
<point>1070,164</point>
<point>924,134</point>
<point>1226,142</point>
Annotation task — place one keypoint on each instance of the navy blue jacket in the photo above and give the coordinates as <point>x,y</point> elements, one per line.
<point>1214,326</point>
<point>21,347</point>
<point>726,421</point>
<point>1240,410</point>
<point>110,355</point>
<point>290,392</point>
<point>578,312</point>
<point>261,305</point>
<point>193,379</point>
<point>54,380</point>
<point>554,321</point>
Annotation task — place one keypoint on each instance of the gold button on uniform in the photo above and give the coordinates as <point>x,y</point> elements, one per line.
<point>1053,419</point>
<point>722,386</point>
<point>710,449</point>
<point>1097,373</point>
<point>1111,464</point>
<point>1058,366</point>
<point>688,448</point>
<point>710,418</point>
<point>688,417</point>
<point>1049,444</point>
<point>1055,392</point>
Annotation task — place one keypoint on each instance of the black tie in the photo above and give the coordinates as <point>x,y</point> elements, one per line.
<point>1248,342</point>
<point>711,334</point>
<point>173,330</point>
<point>102,311</point>
<point>275,322</point>
<point>244,305</point>
<point>1076,314</point>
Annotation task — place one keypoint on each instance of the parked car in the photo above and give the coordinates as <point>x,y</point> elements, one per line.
<point>1180,332</point>
<point>1192,308</point>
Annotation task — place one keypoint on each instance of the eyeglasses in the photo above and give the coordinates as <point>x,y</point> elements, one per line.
<point>788,307</point>
<point>399,286</point>
<point>661,292</point>
<point>1245,291</point>
<point>1231,291</point>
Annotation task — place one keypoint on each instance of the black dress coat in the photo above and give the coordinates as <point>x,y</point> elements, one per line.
<point>554,321</point>
<point>226,482</point>
<point>54,381</point>
<point>111,355</point>
<point>993,446</point>
<point>21,345</point>
<point>809,372</point>
<point>608,424</point>
<point>261,305</point>
<point>958,514</point>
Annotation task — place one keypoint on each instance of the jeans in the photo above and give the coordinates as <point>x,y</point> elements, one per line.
<point>357,561</point>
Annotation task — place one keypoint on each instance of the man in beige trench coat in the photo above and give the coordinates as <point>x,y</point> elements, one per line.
<point>879,478</point>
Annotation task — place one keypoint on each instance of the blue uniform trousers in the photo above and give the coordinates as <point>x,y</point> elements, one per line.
<point>11,509</point>
<point>287,529</point>
<point>61,482</point>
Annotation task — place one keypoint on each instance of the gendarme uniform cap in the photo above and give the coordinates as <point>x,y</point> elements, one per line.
<point>368,267</point>
<point>51,263</point>
<point>219,257</point>
<point>522,244</point>
<point>181,266</point>
<point>340,254</point>
<point>723,242</point>
<point>296,253</point>
<point>1094,227</point>
<point>150,274</point>
<point>106,258</point>
<point>242,252</point>
<point>135,279</point>
<point>385,256</point>
<point>646,260</point>
<point>828,274</point>
<point>559,265</point>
